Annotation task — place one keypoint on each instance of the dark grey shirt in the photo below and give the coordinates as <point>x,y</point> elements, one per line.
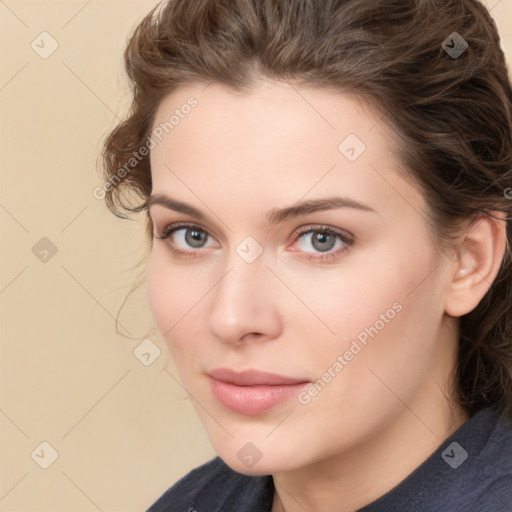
<point>470,472</point>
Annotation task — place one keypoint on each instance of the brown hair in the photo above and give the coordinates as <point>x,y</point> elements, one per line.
<point>450,113</point>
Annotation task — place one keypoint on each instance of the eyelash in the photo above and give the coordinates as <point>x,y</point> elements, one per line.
<point>328,256</point>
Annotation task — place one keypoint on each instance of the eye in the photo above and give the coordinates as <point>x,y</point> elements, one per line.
<point>185,235</point>
<point>322,239</point>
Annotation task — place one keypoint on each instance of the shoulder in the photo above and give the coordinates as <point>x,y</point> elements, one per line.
<point>470,471</point>
<point>482,480</point>
<point>493,475</point>
<point>209,486</point>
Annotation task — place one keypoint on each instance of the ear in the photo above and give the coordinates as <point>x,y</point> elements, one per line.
<point>476,264</point>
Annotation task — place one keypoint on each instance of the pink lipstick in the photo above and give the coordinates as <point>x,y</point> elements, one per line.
<point>252,392</point>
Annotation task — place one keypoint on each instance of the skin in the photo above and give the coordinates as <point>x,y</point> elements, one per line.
<point>238,156</point>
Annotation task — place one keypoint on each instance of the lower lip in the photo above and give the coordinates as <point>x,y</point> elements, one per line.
<point>252,400</point>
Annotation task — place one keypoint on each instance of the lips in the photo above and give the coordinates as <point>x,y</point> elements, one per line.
<point>252,378</point>
<point>252,392</point>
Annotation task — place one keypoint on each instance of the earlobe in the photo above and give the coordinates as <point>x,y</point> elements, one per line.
<point>477,263</point>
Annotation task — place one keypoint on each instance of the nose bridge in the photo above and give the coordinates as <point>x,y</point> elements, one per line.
<point>242,301</point>
<point>245,267</point>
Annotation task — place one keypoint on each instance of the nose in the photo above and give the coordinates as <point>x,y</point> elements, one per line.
<point>244,303</point>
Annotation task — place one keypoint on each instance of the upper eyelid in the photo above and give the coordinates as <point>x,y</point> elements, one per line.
<point>301,230</point>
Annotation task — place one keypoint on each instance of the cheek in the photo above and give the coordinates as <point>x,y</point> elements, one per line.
<point>171,294</point>
<point>177,301</point>
<point>338,306</point>
<point>385,328</point>
<point>160,292</point>
<point>359,314</point>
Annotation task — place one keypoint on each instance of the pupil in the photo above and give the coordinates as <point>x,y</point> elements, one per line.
<point>323,238</point>
<point>195,236</point>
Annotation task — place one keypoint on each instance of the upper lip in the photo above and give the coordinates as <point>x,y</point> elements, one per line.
<point>252,377</point>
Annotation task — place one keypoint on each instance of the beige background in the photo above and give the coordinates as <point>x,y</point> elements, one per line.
<point>123,431</point>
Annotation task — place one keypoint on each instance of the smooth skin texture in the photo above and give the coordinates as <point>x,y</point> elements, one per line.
<point>237,157</point>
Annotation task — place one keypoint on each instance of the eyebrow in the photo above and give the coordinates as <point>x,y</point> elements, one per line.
<point>275,216</point>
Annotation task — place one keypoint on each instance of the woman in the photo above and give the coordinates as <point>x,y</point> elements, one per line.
<point>328,201</point>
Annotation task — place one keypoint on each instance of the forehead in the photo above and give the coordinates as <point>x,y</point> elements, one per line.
<point>272,110</point>
<point>275,145</point>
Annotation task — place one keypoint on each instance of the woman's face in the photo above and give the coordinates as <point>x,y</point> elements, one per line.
<point>356,311</point>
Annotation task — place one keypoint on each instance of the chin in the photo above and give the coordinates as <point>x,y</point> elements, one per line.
<point>254,459</point>
<point>260,468</point>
